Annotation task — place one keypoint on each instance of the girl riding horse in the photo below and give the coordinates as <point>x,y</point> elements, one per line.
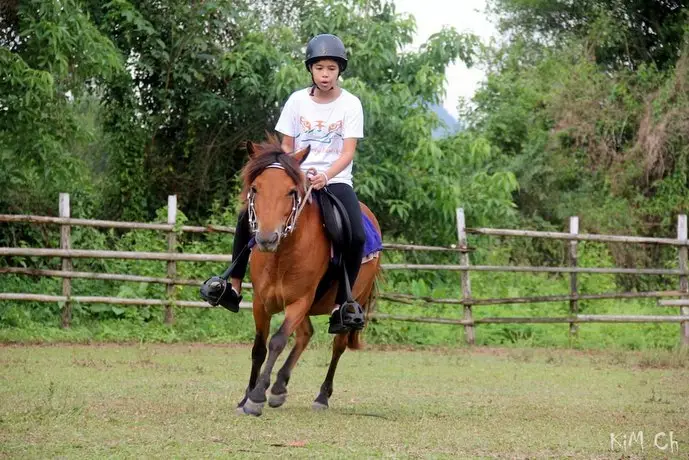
<point>329,120</point>
<point>321,125</point>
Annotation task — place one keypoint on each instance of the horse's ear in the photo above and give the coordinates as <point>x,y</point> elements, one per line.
<point>251,148</point>
<point>300,155</point>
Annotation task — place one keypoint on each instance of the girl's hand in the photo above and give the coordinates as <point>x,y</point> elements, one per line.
<point>319,180</point>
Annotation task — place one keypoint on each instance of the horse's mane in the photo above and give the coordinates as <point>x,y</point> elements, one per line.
<point>265,154</point>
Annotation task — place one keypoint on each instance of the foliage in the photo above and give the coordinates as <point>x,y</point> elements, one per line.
<point>622,33</point>
<point>584,111</point>
<point>56,55</point>
<point>135,100</point>
<point>587,104</point>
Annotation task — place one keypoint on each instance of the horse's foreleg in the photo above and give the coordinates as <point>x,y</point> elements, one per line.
<point>339,347</point>
<point>258,352</point>
<point>294,314</point>
<point>278,392</point>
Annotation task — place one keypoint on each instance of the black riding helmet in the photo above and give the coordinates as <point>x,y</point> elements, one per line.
<point>326,46</point>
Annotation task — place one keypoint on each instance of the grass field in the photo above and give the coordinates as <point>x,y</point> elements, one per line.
<point>177,401</point>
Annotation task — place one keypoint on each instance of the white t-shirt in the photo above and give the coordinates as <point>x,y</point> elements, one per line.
<point>324,127</point>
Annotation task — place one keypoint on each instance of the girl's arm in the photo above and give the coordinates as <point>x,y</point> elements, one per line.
<point>353,130</point>
<point>344,159</point>
<point>321,180</point>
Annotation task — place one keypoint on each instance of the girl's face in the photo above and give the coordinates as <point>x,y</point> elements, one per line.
<point>325,73</point>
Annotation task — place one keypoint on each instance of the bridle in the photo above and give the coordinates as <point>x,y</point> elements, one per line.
<point>298,203</point>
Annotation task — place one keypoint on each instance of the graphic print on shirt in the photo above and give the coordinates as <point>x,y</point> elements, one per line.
<point>317,131</point>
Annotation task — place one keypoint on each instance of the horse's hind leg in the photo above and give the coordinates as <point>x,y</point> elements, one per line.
<point>278,392</point>
<point>294,314</point>
<point>258,353</point>
<point>339,347</point>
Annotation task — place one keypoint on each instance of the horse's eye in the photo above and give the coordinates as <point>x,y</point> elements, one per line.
<point>253,189</point>
<point>293,193</point>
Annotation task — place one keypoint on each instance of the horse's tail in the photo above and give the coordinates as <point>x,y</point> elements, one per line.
<point>354,341</point>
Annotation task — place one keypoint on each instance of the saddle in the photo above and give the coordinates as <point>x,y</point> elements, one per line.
<point>339,231</point>
<point>338,228</point>
<point>335,221</point>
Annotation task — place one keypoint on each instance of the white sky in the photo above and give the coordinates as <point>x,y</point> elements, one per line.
<point>464,16</point>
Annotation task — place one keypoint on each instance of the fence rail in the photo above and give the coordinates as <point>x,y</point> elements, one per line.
<point>111,300</point>
<point>577,236</point>
<point>409,299</point>
<point>179,257</point>
<point>112,224</point>
<point>526,320</point>
<point>462,249</point>
<point>17,218</point>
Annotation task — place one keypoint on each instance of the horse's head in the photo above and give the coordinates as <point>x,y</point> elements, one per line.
<point>274,188</point>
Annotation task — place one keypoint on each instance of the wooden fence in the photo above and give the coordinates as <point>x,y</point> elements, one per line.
<point>467,300</point>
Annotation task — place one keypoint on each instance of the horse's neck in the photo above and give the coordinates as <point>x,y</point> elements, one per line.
<point>306,231</point>
<point>302,242</point>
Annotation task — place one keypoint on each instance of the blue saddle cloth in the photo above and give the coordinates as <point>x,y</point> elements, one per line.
<point>373,242</point>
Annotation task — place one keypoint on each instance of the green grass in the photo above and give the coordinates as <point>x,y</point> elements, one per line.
<point>177,401</point>
<point>23,325</point>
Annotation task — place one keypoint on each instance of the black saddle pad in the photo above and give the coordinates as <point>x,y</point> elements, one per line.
<point>335,218</point>
<point>339,231</point>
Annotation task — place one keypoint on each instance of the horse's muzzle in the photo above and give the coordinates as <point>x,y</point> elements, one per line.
<point>267,241</point>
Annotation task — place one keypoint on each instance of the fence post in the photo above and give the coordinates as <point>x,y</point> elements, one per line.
<point>469,333</point>
<point>65,236</point>
<point>683,280</point>
<point>573,287</point>
<point>171,264</point>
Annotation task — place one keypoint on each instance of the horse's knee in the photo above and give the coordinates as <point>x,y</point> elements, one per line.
<point>278,341</point>
<point>258,352</point>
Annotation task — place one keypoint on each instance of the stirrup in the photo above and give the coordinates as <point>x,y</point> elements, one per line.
<point>216,291</point>
<point>349,317</point>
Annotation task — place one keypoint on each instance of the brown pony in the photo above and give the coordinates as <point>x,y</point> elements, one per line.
<point>292,257</point>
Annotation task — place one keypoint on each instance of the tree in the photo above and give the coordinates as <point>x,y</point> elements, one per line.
<point>623,33</point>
<point>50,54</point>
<point>587,102</point>
<point>135,100</point>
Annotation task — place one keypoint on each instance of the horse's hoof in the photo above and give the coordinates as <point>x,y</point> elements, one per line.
<point>253,408</point>
<point>277,400</point>
<point>319,406</point>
